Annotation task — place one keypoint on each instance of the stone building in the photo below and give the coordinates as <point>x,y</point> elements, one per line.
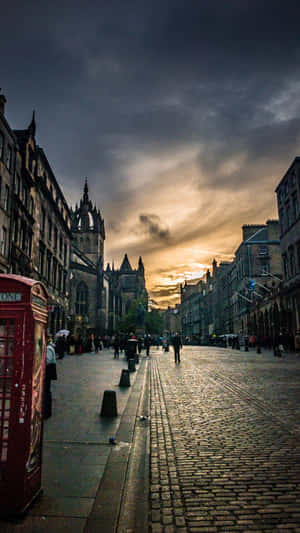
<point>89,286</point>
<point>8,163</point>
<point>194,311</point>
<point>258,258</point>
<point>41,226</point>
<point>288,199</point>
<point>125,285</point>
<point>172,319</point>
<point>35,221</point>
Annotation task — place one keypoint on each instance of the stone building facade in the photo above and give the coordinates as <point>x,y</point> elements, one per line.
<point>125,285</point>
<point>258,258</point>
<point>9,160</point>
<point>288,199</point>
<point>34,218</point>
<point>89,285</point>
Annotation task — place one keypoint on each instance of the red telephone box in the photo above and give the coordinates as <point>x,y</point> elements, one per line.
<point>23,323</point>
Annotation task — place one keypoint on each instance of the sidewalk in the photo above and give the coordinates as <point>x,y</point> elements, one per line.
<point>77,454</point>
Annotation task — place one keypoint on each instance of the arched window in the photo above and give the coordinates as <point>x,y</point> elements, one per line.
<point>81,299</point>
<point>91,221</point>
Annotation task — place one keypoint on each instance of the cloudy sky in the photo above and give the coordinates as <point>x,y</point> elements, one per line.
<point>183,115</point>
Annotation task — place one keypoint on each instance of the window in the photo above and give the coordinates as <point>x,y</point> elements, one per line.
<point>6,198</point>
<point>263,250</point>
<point>31,207</point>
<point>29,244</point>
<point>60,246</point>
<point>8,159</point>
<point>54,272</point>
<point>43,220</point>
<point>48,273</point>
<point>295,207</point>
<point>288,215</point>
<point>42,258</point>
<point>65,254</point>
<point>264,268</point>
<point>298,255</point>
<point>81,299</point>
<point>285,266</point>
<point>17,185</point>
<point>31,161</point>
<point>49,229</point>
<point>55,238</point>
<point>24,195</point>
<point>59,277</point>
<point>292,262</point>
<point>16,229</point>
<point>4,241</point>
<point>23,236</point>
<point>1,145</point>
<point>64,281</point>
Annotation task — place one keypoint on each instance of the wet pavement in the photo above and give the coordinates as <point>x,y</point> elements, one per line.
<point>80,466</point>
<point>219,452</point>
<point>225,442</point>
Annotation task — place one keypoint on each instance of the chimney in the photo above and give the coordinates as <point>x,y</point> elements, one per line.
<point>2,103</point>
<point>250,229</point>
<point>273,230</point>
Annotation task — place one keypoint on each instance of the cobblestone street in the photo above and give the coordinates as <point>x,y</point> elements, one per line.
<point>225,441</point>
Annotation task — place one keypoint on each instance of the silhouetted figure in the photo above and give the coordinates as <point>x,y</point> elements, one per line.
<point>177,344</point>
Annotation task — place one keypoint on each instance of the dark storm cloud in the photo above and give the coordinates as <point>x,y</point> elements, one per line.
<point>115,83</point>
<point>154,227</point>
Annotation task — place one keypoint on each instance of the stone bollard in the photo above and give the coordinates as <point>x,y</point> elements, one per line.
<point>109,404</point>
<point>131,365</point>
<point>124,379</point>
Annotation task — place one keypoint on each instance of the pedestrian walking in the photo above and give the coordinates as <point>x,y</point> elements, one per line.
<point>177,344</point>
<point>116,345</point>
<point>140,345</point>
<point>97,344</point>
<point>50,375</point>
<point>147,343</point>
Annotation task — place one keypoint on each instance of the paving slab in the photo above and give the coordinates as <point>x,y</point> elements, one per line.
<point>76,446</point>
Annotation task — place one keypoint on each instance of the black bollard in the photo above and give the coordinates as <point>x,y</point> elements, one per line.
<point>109,404</point>
<point>125,378</point>
<point>131,365</point>
<point>258,350</point>
<point>136,359</point>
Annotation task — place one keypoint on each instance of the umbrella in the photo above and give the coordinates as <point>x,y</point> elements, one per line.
<point>62,332</point>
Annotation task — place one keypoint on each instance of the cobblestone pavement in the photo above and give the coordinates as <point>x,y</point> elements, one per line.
<point>225,442</point>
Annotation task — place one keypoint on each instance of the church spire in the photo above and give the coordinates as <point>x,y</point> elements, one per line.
<point>126,266</point>
<point>141,265</point>
<point>85,192</point>
<point>32,125</point>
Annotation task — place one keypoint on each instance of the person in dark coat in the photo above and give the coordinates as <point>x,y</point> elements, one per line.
<point>177,344</point>
<point>147,343</point>
<point>139,345</point>
<point>60,347</point>
<point>116,345</point>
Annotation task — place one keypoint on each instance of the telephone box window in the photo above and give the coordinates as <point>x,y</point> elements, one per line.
<point>6,374</point>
